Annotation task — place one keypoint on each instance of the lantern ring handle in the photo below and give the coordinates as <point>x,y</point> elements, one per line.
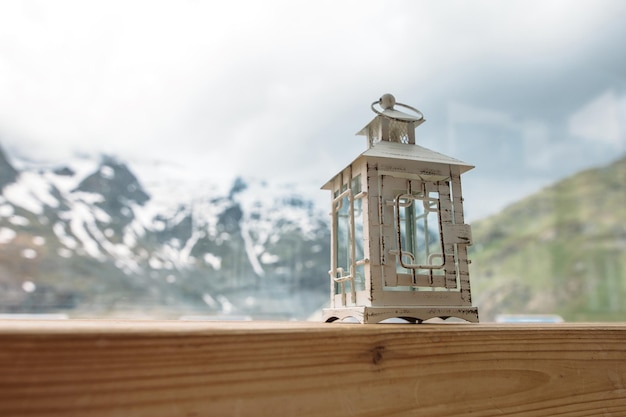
<point>406,106</point>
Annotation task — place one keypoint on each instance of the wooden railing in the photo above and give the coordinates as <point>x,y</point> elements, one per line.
<point>106,368</point>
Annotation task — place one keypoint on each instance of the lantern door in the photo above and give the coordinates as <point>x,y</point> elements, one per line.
<point>420,251</point>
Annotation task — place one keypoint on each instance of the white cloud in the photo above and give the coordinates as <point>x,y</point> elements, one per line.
<point>276,87</point>
<point>601,120</point>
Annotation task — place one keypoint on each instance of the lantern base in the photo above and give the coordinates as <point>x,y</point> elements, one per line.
<point>367,314</point>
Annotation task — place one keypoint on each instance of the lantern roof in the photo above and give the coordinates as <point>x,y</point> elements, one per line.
<point>412,153</point>
<point>391,135</point>
<point>399,151</point>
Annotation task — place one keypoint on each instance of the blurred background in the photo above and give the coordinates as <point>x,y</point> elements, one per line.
<point>162,159</point>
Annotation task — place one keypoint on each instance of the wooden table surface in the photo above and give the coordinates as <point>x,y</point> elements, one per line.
<point>155,368</point>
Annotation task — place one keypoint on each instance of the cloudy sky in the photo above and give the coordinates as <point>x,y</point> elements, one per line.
<point>528,91</point>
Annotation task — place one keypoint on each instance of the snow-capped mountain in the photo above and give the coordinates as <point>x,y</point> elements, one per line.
<point>87,238</point>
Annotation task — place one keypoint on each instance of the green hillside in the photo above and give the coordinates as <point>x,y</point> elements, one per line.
<point>561,250</point>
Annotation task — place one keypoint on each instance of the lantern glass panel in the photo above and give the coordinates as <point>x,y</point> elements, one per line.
<point>349,236</point>
<point>342,241</point>
<point>418,231</point>
<point>359,279</point>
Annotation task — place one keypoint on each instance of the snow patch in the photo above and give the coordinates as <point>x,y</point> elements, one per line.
<point>28,286</point>
<point>268,258</point>
<point>155,263</point>
<point>107,172</point>
<point>59,231</point>
<point>6,210</point>
<point>227,306</point>
<point>29,253</point>
<point>64,253</point>
<point>19,221</point>
<point>185,253</point>
<point>208,300</point>
<point>250,250</point>
<point>6,235</point>
<point>79,219</point>
<point>213,260</point>
<point>89,198</point>
<point>31,192</point>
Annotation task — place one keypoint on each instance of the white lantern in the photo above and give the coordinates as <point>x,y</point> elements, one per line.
<point>399,239</point>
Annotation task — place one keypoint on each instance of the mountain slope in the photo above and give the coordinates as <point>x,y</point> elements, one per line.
<point>8,174</point>
<point>89,240</point>
<point>561,250</point>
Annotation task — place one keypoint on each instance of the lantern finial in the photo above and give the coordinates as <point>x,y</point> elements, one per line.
<point>387,101</point>
<point>392,125</point>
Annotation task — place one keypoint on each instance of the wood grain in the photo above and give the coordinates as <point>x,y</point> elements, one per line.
<point>104,368</point>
